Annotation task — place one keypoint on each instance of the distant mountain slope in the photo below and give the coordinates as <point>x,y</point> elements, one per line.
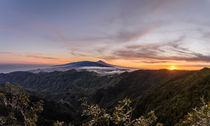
<point>176,98</point>
<point>98,67</point>
<point>65,87</point>
<point>71,80</point>
<point>171,94</point>
<point>135,84</point>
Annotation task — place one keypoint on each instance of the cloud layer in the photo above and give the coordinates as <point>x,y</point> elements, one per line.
<point>137,33</point>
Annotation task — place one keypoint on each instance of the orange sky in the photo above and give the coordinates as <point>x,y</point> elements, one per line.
<point>142,34</point>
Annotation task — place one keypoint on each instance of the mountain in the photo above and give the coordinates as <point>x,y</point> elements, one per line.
<point>104,63</point>
<point>135,84</point>
<point>58,81</point>
<point>176,98</point>
<point>171,94</point>
<point>85,64</point>
<point>98,67</point>
<point>52,110</point>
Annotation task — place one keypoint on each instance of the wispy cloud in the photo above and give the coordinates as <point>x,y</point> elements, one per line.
<point>138,31</point>
<point>41,56</point>
<point>160,52</point>
<point>8,53</point>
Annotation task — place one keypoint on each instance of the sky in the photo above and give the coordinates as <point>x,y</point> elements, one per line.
<point>148,34</point>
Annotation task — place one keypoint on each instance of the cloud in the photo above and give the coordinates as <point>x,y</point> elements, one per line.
<point>151,55</point>
<point>8,53</point>
<point>126,35</point>
<point>41,56</point>
<point>120,36</point>
<point>32,55</point>
<point>154,61</point>
<point>58,36</point>
<point>160,52</point>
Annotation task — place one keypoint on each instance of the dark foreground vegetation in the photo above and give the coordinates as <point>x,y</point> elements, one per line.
<point>19,109</point>
<point>167,97</point>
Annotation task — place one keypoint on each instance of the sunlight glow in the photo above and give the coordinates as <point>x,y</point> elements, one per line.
<point>172,68</point>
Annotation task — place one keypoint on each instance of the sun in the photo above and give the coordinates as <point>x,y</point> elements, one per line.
<point>172,68</point>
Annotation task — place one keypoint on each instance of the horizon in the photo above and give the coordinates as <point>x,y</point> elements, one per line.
<point>161,34</point>
<point>40,66</point>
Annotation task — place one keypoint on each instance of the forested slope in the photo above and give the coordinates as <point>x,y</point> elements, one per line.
<point>171,94</point>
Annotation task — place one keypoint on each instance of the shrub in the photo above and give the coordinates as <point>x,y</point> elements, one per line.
<point>122,115</point>
<point>198,117</point>
<point>17,100</point>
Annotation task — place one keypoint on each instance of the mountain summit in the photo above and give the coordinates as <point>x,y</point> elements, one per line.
<point>86,64</point>
<point>104,63</point>
<point>100,67</point>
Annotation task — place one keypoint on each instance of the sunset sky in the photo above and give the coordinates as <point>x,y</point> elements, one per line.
<point>146,34</point>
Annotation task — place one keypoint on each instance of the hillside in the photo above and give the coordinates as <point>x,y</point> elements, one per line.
<point>57,81</point>
<point>171,94</point>
<point>135,84</point>
<point>63,87</point>
<point>52,111</point>
<point>175,99</point>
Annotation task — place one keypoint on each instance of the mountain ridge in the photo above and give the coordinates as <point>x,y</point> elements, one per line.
<point>85,63</point>
<point>99,67</point>
<point>171,94</point>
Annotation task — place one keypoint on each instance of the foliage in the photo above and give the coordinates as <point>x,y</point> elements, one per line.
<point>18,101</point>
<point>56,81</point>
<point>123,112</point>
<point>62,123</point>
<point>58,123</point>
<point>122,115</point>
<point>171,94</point>
<point>198,117</point>
<point>173,100</point>
<point>68,86</point>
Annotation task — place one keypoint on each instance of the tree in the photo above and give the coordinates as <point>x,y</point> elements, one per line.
<point>198,117</point>
<point>18,101</point>
<point>122,115</point>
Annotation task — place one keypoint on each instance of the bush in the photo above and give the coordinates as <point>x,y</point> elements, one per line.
<point>198,117</point>
<point>122,115</point>
<point>17,100</point>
